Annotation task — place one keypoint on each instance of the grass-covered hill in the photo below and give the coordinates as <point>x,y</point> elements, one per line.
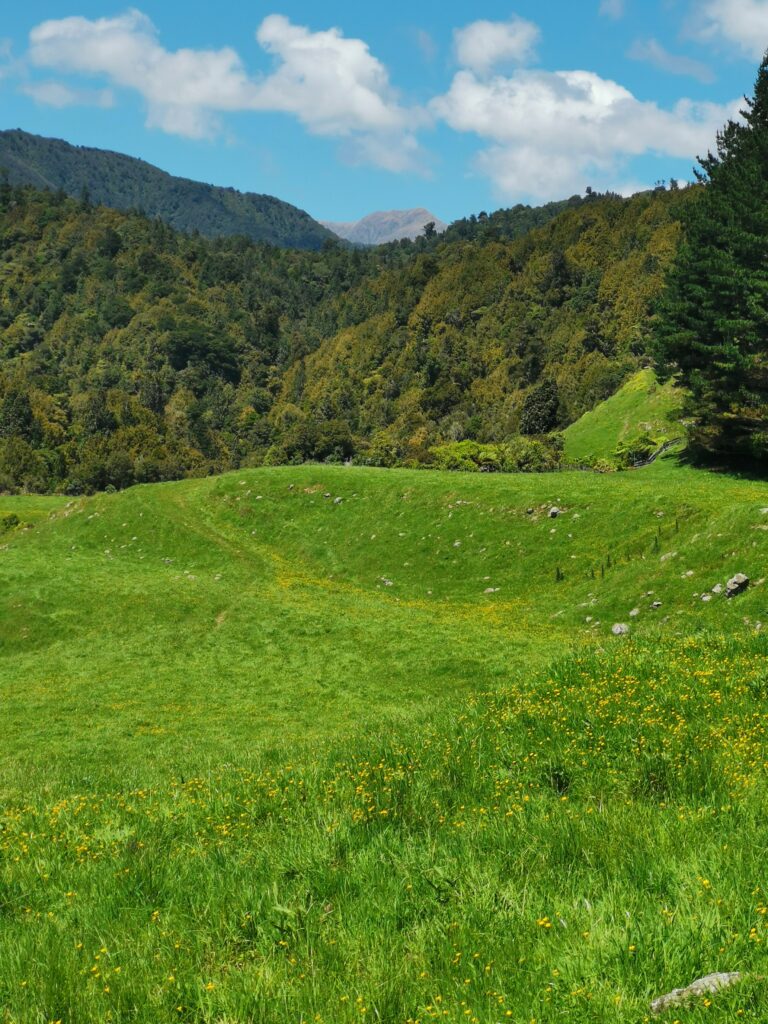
<point>641,406</point>
<point>328,744</point>
<point>126,183</point>
<point>133,353</point>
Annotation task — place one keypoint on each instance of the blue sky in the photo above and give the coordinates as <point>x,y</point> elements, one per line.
<point>343,108</point>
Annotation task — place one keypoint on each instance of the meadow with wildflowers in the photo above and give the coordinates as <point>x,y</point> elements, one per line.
<point>317,744</point>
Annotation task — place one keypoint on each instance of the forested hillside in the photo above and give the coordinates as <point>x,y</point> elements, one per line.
<point>485,339</point>
<point>130,352</point>
<point>125,183</point>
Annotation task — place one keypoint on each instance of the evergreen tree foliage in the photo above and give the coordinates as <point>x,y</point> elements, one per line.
<point>712,326</point>
<point>539,414</point>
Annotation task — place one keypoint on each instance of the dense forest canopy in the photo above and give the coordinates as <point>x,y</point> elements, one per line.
<point>130,352</point>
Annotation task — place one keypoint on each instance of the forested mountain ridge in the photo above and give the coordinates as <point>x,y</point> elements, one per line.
<point>459,339</point>
<point>130,352</point>
<point>126,183</point>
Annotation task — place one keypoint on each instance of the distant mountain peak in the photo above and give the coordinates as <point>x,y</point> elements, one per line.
<point>386,226</point>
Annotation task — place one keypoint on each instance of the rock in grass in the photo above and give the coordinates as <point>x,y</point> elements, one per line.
<point>554,512</point>
<point>709,985</point>
<point>620,629</point>
<point>736,584</point>
<point>718,588</point>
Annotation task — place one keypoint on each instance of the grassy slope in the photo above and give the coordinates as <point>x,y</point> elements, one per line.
<point>640,405</point>
<point>255,783</point>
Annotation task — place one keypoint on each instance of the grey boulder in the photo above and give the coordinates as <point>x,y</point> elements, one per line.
<point>736,585</point>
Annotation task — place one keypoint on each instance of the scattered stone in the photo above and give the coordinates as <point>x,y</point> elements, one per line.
<point>554,512</point>
<point>656,605</point>
<point>327,494</point>
<point>736,584</point>
<point>706,597</point>
<point>669,554</point>
<point>337,501</point>
<point>718,588</point>
<point>634,613</point>
<point>589,618</point>
<point>529,511</point>
<point>492,590</point>
<point>290,487</point>
<point>710,985</point>
<point>620,629</point>
<point>457,543</point>
<point>386,582</point>
<point>687,575</point>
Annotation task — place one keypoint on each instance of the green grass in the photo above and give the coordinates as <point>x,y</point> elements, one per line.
<point>642,405</point>
<point>245,780</point>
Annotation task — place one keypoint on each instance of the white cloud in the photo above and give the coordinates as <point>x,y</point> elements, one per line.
<point>8,66</point>
<point>335,86</point>
<point>426,44</point>
<point>57,94</point>
<point>549,133</point>
<point>184,90</point>
<point>612,9</point>
<point>742,23</point>
<point>484,45</point>
<point>652,52</point>
<point>332,84</point>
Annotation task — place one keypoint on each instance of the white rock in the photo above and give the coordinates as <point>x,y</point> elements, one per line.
<point>709,985</point>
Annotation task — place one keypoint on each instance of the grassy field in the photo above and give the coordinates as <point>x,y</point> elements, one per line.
<point>642,405</point>
<point>274,756</point>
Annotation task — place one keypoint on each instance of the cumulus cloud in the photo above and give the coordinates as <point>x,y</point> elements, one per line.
<point>741,23</point>
<point>335,86</point>
<point>612,9</point>
<point>484,45</point>
<point>650,51</point>
<point>184,90</point>
<point>550,132</point>
<point>332,84</point>
<point>57,94</point>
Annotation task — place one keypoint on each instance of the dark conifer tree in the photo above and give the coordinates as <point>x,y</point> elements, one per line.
<point>712,325</point>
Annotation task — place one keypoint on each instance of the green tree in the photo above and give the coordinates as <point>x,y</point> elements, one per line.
<point>539,414</point>
<point>712,324</point>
